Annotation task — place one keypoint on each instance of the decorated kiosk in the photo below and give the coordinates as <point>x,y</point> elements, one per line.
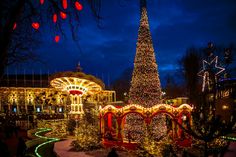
<point>113,118</point>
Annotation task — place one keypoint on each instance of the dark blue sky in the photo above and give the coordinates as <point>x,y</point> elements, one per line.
<point>175,25</point>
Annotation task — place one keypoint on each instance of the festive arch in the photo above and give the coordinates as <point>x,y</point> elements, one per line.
<point>146,112</point>
<point>177,114</point>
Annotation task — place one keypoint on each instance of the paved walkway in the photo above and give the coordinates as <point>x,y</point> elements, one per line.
<point>62,149</point>
<point>232,150</point>
<point>12,141</point>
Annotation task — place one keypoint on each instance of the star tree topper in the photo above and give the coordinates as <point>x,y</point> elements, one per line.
<point>204,73</point>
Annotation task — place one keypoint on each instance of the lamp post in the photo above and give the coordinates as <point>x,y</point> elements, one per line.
<point>76,129</point>
<point>28,121</point>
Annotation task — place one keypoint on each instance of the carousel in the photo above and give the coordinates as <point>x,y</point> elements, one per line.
<point>78,85</point>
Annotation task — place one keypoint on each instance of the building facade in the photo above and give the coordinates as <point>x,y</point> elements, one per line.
<point>33,94</point>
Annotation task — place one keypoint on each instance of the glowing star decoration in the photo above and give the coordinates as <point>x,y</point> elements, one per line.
<point>41,2</point>
<point>35,25</point>
<point>64,4</point>
<point>204,73</point>
<point>57,38</point>
<point>78,6</point>
<point>54,18</point>
<point>14,26</point>
<point>63,15</point>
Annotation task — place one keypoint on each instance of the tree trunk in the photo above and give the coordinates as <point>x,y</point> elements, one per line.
<point>224,150</point>
<point>205,150</point>
<point>3,53</point>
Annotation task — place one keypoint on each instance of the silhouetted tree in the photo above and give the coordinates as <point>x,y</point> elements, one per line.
<point>191,66</point>
<point>172,89</point>
<point>207,125</point>
<point>17,16</point>
<point>122,84</point>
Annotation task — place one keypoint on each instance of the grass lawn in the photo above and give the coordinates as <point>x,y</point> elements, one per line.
<point>44,151</point>
<point>47,150</point>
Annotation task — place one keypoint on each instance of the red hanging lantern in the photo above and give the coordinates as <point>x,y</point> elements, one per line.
<point>63,15</point>
<point>41,2</point>
<point>14,26</point>
<point>78,6</point>
<point>35,25</point>
<point>54,18</point>
<point>64,4</point>
<point>57,38</point>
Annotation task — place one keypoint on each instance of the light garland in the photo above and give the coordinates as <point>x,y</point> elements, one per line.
<point>77,84</point>
<point>229,138</point>
<point>67,83</point>
<point>64,3</point>
<point>145,85</point>
<point>143,110</point>
<point>49,140</point>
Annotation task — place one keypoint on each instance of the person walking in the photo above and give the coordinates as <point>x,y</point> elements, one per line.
<point>112,153</point>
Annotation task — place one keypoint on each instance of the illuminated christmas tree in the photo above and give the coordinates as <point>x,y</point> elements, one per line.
<point>145,85</point>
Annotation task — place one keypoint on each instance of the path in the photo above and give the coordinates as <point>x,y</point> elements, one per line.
<point>13,141</point>
<point>62,149</point>
<point>231,150</point>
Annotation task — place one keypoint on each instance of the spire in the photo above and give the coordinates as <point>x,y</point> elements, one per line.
<point>78,68</point>
<point>144,19</point>
<point>143,4</point>
<point>145,87</point>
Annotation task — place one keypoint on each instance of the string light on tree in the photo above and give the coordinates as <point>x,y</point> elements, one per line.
<point>64,4</point>
<point>57,38</point>
<point>54,18</point>
<point>63,15</point>
<point>41,2</point>
<point>14,26</point>
<point>78,6</point>
<point>61,5</point>
<point>145,87</point>
<point>35,25</point>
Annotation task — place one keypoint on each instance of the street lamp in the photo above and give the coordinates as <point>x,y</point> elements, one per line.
<point>76,128</point>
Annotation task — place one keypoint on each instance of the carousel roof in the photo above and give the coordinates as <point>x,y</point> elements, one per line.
<point>76,81</point>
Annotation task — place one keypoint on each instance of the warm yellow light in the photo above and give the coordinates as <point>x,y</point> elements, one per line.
<point>142,110</point>
<point>225,107</point>
<point>100,107</point>
<point>184,117</point>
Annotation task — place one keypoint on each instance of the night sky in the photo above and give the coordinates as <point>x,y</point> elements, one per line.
<point>107,51</point>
